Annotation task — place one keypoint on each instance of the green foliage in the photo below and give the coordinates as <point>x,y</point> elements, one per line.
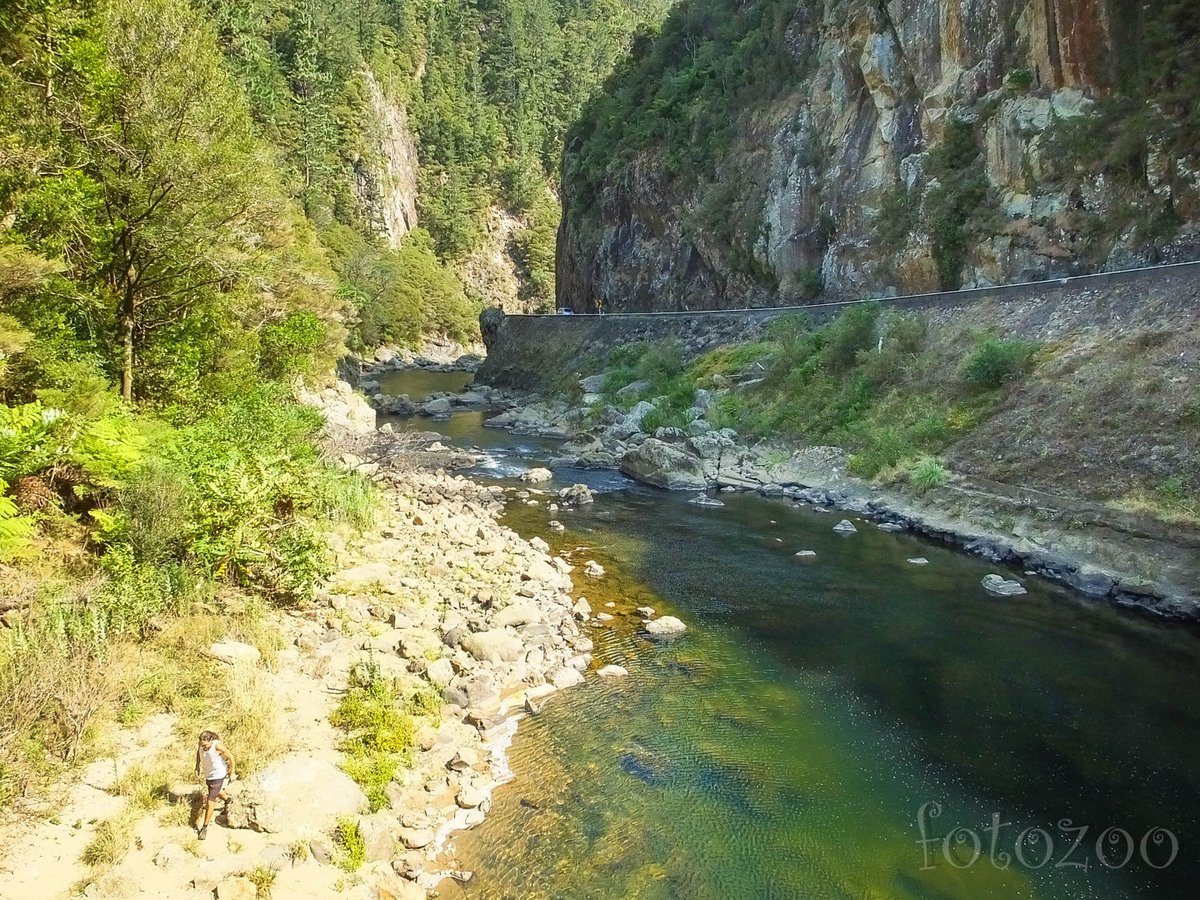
<point>997,360</point>
<point>401,295</point>
<point>288,347</point>
<point>351,849</point>
<point>535,251</point>
<point>26,444</point>
<point>380,731</point>
<point>927,474</point>
<point>961,203</point>
<point>1018,80</point>
<point>870,382</point>
<point>15,529</point>
<point>151,240</point>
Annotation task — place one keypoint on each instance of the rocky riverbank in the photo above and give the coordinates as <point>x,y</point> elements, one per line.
<point>1098,551</point>
<point>469,623</point>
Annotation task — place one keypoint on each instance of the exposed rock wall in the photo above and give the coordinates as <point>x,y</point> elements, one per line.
<point>834,183</point>
<point>386,179</point>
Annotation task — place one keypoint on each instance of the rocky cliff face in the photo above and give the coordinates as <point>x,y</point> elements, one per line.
<point>930,144</point>
<point>386,179</point>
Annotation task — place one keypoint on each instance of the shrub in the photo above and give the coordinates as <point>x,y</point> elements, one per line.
<point>927,474</point>
<point>263,879</point>
<point>350,848</point>
<point>15,529</point>
<point>849,334</point>
<point>996,360</point>
<point>288,348</point>
<point>380,733</point>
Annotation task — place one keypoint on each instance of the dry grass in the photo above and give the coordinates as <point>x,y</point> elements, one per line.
<point>1171,511</point>
<point>112,840</point>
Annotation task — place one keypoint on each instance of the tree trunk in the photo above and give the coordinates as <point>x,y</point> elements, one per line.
<point>127,343</point>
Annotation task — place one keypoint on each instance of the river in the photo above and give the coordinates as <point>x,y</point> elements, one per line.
<point>851,726</point>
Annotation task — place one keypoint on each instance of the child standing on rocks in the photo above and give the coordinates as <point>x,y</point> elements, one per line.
<point>216,765</point>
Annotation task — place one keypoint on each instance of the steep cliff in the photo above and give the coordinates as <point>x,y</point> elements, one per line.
<point>771,151</point>
<point>386,179</point>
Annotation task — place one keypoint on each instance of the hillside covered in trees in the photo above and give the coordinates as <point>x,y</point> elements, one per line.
<point>199,203</point>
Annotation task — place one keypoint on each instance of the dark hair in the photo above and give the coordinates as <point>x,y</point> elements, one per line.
<point>208,736</point>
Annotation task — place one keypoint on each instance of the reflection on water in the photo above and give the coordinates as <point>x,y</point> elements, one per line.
<point>418,384</point>
<point>784,746</point>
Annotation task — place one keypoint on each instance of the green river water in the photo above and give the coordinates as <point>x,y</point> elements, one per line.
<point>784,747</point>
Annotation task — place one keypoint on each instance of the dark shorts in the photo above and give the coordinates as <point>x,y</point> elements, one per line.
<point>214,788</point>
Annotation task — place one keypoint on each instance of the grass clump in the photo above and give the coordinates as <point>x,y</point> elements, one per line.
<point>1171,501</point>
<point>350,851</point>
<point>927,474</point>
<point>263,879</point>
<point>379,730</point>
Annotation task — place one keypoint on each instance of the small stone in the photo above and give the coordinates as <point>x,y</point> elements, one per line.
<point>556,525</point>
<point>806,554</point>
<point>593,569</point>
<point>582,609</point>
<point>918,561</point>
<point>612,671</point>
<point>845,527</point>
<point>464,759</point>
<point>645,612</point>
<point>536,476</point>
<point>604,617</point>
<point>890,526</point>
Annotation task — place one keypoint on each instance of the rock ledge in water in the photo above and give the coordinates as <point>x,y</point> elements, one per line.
<point>996,584</point>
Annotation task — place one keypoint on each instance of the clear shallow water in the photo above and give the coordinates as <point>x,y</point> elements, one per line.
<point>419,384</point>
<point>784,746</point>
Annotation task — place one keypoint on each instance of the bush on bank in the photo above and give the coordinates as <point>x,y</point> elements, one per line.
<point>873,382</point>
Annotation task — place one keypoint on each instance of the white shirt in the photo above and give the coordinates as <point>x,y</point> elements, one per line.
<point>212,763</point>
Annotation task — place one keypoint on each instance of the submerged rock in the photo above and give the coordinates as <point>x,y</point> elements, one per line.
<point>996,584</point>
<point>667,626</point>
<point>845,527</point>
<point>536,476</point>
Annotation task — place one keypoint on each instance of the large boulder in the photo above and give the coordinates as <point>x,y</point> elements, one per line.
<point>494,646</point>
<point>480,692</point>
<point>281,797</point>
<point>667,626</point>
<point>518,614</point>
<point>664,465</point>
<point>633,418</point>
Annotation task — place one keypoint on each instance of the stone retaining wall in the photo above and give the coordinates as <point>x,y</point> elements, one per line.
<point>540,352</point>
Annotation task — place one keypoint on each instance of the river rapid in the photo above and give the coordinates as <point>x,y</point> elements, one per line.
<point>853,725</point>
